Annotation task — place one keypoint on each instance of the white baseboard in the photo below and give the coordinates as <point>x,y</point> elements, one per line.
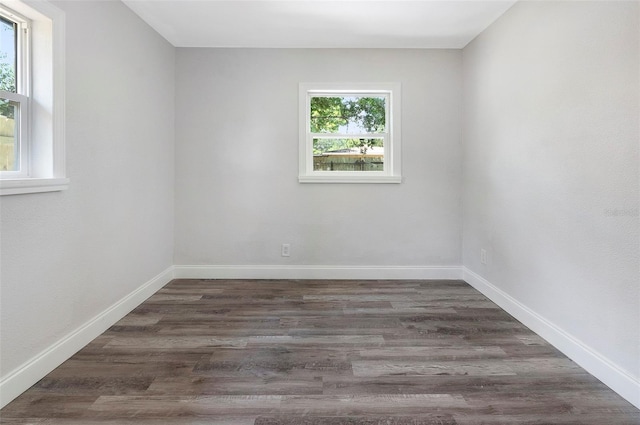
<point>29,373</point>
<point>19,380</point>
<point>318,272</point>
<point>593,362</point>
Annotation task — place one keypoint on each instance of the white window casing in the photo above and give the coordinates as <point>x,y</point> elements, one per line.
<point>391,172</point>
<point>41,94</point>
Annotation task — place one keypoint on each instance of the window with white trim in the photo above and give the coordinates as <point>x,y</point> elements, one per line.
<point>31,97</point>
<point>349,133</point>
<point>14,94</point>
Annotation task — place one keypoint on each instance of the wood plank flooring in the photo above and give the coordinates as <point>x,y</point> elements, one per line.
<point>319,353</point>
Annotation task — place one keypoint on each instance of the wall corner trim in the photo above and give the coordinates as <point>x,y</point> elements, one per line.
<point>30,372</point>
<point>316,272</point>
<point>593,362</point>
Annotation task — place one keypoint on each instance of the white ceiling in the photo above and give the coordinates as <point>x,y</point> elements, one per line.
<point>320,23</point>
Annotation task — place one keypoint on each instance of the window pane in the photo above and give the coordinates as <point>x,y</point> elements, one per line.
<point>348,115</point>
<point>8,62</point>
<point>8,136</point>
<point>348,154</point>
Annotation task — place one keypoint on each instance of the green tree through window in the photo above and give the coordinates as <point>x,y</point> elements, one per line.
<point>7,83</point>
<point>347,115</point>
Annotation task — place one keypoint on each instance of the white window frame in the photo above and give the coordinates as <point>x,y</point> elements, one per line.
<point>41,116</point>
<point>21,97</point>
<point>392,135</point>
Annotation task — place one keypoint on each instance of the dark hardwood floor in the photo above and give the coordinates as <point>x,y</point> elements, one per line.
<point>321,353</point>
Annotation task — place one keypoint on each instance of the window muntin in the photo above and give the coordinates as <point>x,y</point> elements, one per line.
<point>349,133</point>
<point>14,96</point>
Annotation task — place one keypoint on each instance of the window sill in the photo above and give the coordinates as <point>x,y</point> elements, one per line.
<point>22,186</point>
<point>349,179</point>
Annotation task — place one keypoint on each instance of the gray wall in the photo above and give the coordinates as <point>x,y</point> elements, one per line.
<point>551,167</point>
<point>68,256</point>
<point>237,193</point>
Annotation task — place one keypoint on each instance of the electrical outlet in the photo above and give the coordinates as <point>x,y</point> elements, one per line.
<point>286,250</point>
<point>483,256</point>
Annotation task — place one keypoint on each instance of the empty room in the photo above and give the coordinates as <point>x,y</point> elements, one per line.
<point>320,212</point>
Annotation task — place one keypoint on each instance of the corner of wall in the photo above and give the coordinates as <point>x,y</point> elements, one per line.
<point>30,372</point>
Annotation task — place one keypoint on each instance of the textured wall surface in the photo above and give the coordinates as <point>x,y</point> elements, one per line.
<point>237,193</point>
<point>551,167</point>
<point>67,256</point>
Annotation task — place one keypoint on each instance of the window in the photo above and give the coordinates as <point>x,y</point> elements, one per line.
<point>349,133</point>
<point>14,94</point>
<point>31,97</point>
